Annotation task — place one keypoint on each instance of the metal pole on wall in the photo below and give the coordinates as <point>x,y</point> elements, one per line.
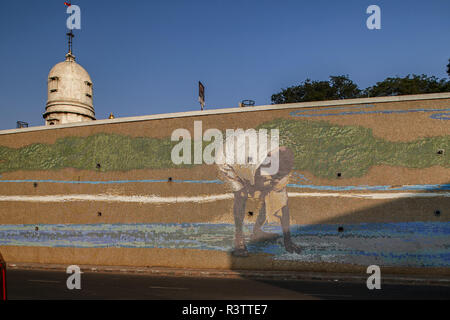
<point>201,94</point>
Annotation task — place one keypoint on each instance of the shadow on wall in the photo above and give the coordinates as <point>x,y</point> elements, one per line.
<point>354,241</point>
<point>357,239</point>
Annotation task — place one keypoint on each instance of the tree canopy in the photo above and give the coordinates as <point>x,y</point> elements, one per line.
<point>341,87</point>
<point>448,68</point>
<point>338,87</point>
<point>411,84</point>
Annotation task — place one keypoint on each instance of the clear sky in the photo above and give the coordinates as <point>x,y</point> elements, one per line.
<point>146,57</point>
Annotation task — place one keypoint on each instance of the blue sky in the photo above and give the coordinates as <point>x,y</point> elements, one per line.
<point>146,57</point>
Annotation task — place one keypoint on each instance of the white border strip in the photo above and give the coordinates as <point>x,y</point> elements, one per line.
<point>116,198</point>
<point>372,196</point>
<point>430,96</point>
<point>208,198</point>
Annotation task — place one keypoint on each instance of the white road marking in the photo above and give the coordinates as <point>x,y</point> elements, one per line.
<point>45,281</point>
<point>170,288</point>
<point>330,295</point>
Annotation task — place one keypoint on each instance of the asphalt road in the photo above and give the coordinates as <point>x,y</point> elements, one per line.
<point>49,285</point>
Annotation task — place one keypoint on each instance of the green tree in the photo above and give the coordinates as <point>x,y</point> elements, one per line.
<point>448,68</point>
<point>338,87</point>
<point>341,87</point>
<point>411,84</point>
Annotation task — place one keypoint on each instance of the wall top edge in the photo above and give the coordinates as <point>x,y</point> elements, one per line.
<point>328,103</point>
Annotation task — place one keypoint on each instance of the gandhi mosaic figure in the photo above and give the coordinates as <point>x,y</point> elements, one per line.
<point>250,180</point>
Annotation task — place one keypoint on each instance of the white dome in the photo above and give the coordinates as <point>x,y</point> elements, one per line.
<point>70,97</point>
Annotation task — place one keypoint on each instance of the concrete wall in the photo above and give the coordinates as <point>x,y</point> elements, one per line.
<point>370,184</point>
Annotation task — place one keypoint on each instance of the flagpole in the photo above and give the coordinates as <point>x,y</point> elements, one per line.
<point>201,95</point>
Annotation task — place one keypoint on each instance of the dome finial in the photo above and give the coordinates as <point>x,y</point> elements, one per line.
<point>70,57</point>
<point>70,37</point>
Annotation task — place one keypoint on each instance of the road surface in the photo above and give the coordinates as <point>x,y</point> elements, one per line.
<point>49,285</point>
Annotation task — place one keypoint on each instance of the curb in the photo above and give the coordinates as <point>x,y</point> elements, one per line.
<point>248,274</point>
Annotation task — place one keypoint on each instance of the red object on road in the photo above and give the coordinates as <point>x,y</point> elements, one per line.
<point>2,278</point>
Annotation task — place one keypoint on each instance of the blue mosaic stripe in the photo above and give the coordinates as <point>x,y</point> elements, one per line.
<point>441,116</point>
<point>302,113</point>
<point>418,244</point>
<point>418,187</point>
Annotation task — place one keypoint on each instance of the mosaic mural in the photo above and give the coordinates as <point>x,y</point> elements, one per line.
<point>413,244</point>
<point>310,147</point>
<point>319,147</point>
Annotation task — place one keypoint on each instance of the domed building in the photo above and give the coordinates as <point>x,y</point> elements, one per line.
<point>70,94</point>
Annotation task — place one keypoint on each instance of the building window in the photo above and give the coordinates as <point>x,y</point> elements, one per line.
<point>53,84</point>
<point>88,89</point>
<point>52,122</point>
